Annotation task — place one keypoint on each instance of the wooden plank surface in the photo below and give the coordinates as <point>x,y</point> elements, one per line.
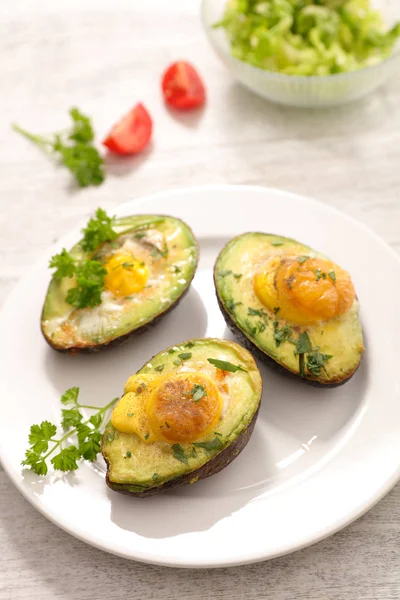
<point>103,57</point>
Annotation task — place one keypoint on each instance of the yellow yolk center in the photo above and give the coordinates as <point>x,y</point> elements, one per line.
<point>125,274</point>
<point>183,407</point>
<point>305,290</point>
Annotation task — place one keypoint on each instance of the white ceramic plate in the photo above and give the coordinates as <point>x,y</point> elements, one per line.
<point>317,459</point>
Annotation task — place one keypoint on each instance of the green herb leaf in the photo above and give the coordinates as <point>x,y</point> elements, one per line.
<point>254,312</point>
<point>224,273</point>
<point>73,149</point>
<point>315,362</point>
<point>320,274</point>
<point>231,305</point>
<point>177,362</point>
<point>128,454</point>
<point>35,462</point>
<point>277,243</point>
<point>276,310</point>
<point>98,230</point>
<point>66,459</point>
<point>179,454</point>
<point>90,283</point>
<point>210,446</point>
<point>155,477</point>
<point>185,355</point>
<point>90,448</point>
<point>303,344</point>
<point>70,396</point>
<point>281,335</point>
<point>225,365</point>
<point>40,435</point>
<point>129,414</point>
<point>302,259</point>
<point>332,275</point>
<point>261,326</point>
<point>159,368</point>
<point>70,418</point>
<point>96,420</point>
<point>198,392</point>
<point>146,437</point>
<point>189,345</point>
<point>82,129</point>
<point>64,265</point>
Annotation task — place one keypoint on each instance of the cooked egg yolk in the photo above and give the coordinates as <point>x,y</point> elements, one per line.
<point>184,407</point>
<point>177,408</point>
<point>305,290</point>
<point>125,274</point>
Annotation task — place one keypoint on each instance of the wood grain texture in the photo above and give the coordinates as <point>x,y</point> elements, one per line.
<point>103,57</point>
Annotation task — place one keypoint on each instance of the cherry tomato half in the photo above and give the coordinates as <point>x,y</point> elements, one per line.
<point>182,86</point>
<point>132,133</point>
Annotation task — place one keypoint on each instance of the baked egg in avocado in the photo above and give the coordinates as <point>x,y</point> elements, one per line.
<point>291,304</point>
<point>120,286</point>
<point>183,417</point>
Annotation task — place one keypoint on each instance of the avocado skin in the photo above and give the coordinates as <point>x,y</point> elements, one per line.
<point>263,357</point>
<point>213,466</point>
<point>122,338</point>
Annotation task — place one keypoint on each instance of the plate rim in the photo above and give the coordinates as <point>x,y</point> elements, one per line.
<point>313,537</point>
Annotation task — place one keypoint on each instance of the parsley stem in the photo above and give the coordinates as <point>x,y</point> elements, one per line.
<point>73,431</point>
<point>36,139</point>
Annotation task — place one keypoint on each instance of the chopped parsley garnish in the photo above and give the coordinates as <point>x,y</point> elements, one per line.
<point>281,335</point>
<point>237,275</point>
<point>320,274</point>
<point>177,269</point>
<point>302,259</point>
<point>74,149</point>
<point>211,445</point>
<point>140,235</point>
<point>198,392</point>
<point>303,344</point>
<point>158,254</point>
<point>179,454</point>
<point>185,355</point>
<point>261,326</point>
<point>146,437</point>
<point>231,305</point>
<point>166,425</point>
<point>277,243</point>
<point>276,310</point>
<point>189,345</point>
<point>159,368</point>
<point>155,476</point>
<point>129,414</point>
<point>332,275</point>
<point>225,365</point>
<point>87,434</point>
<point>141,387</point>
<point>315,362</point>
<point>251,329</point>
<point>254,312</point>
<point>224,273</point>
<point>128,454</point>
<point>177,362</point>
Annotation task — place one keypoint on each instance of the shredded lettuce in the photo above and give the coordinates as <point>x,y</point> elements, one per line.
<point>306,37</point>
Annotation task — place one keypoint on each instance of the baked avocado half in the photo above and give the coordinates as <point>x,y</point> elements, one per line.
<point>291,306</point>
<point>184,416</point>
<point>145,269</point>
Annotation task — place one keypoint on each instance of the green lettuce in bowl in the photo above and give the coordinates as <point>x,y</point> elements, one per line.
<point>308,38</point>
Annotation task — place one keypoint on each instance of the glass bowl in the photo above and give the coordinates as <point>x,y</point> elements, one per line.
<point>293,90</point>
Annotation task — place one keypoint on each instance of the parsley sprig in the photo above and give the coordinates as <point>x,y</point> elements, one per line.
<point>74,149</point>
<point>43,442</point>
<point>89,274</point>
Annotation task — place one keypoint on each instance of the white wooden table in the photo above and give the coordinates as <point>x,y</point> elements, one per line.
<point>104,56</point>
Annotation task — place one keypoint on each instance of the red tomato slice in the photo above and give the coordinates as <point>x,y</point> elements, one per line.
<point>182,86</point>
<point>132,133</point>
